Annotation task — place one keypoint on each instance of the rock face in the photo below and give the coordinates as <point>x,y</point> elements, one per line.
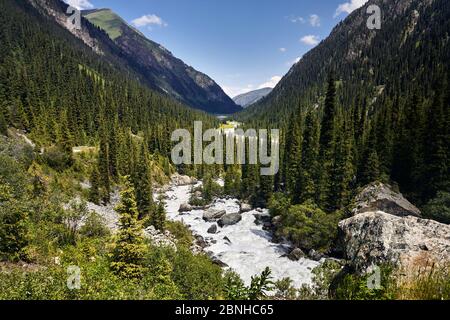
<point>380,197</point>
<point>408,242</point>
<point>229,219</point>
<point>213,215</point>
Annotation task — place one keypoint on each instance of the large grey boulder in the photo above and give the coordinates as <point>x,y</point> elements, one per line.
<point>378,196</point>
<point>229,219</point>
<point>185,207</point>
<point>213,214</point>
<point>245,207</point>
<point>180,180</point>
<point>296,254</point>
<point>411,243</point>
<point>212,229</point>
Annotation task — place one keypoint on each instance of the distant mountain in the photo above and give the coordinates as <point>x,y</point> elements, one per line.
<point>409,52</point>
<point>251,97</point>
<point>160,69</point>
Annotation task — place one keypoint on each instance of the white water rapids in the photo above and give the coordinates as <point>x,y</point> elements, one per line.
<point>250,250</point>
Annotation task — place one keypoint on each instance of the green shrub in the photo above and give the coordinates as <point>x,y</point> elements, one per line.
<point>309,227</point>
<point>94,226</point>
<point>439,208</point>
<point>279,204</point>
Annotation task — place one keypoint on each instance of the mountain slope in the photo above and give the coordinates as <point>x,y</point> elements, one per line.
<point>411,50</point>
<point>160,68</point>
<point>251,97</point>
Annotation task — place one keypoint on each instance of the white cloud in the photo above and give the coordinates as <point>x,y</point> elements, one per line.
<point>80,4</point>
<point>149,20</point>
<point>349,7</point>
<point>297,19</point>
<point>271,83</point>
<point>314,20</point>
<point>310,40</point>
<point>283,49</point>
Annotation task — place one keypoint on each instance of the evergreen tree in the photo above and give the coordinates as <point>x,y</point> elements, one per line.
<point>343,171</point>
<point>143,185</point>
<point>436,173</point>
<point>103,168</point>
<point>327,137</point>
<point>294,156</point>
<point>310,154</point>
<point>3,124</point>
<point>158,220</point>
<point>94,191</point>
<point>129,252</point>
<point>370,171</point>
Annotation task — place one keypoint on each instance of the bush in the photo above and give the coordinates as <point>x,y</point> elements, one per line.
<point>279,204</point>
<point>309,227</point>
<point>439,208</point>
<point>57,159</point>
<point>259,287</point>
<point>94,226</point>
<point>180,232</point>
<point>196,276</point>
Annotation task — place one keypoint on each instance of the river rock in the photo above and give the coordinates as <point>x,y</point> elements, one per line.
<point>314,255</point>
<point>180,180</point>
<point>160,239</point>
<point>374,238</point>
<point>213,215</point>
<point>229,219</point>
<point>378,196</point>
<point>296,254</point>
<point>218,262</point>
<point>200,241</point>
<point>185,207</point>
<point>245,207</point>
<point>276,221</point>
<point>213,229</point>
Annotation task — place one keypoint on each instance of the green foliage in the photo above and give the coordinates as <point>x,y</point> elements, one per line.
<point>196,277</point>
<point>130,248</point>
<point>158,218</point>
<point>279,204</point>
<point>144,190</point>
<point>439,208</point>
<point>258,289</point>
<point>309,227</point>
<point>180,232</point>
<point>94,226</point>
<point>14,237</point>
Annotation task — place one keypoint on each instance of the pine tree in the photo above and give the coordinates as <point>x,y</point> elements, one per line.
<point>143,185</point>
<point>310,154</point>
<point>94,191</point>
<point>103,168</point>
<point>158,220</point>
<point>343,171</point>
<point>3,125</point>
<point>113,149</point>
<point>327,138</point>
<point>129,252</point>
<point>436,161</point>
<point>294,157</point>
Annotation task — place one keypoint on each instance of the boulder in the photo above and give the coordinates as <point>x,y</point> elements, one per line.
<point>411,243</point>
<point>213,215</point>
<point>229,219</point>
<point>180,180</point>
<point>185,207</point>
<point>380,197</point>
<point>212,229</point>
<point>276,221</point>
<point>218,262</point>
<point>314,255</point>
<point>245,207</point>
<point>198,194</point>
<point>200,241</point>
<point>296,254</point>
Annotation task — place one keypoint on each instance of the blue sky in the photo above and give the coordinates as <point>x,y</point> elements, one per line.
<point>242,44</point>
